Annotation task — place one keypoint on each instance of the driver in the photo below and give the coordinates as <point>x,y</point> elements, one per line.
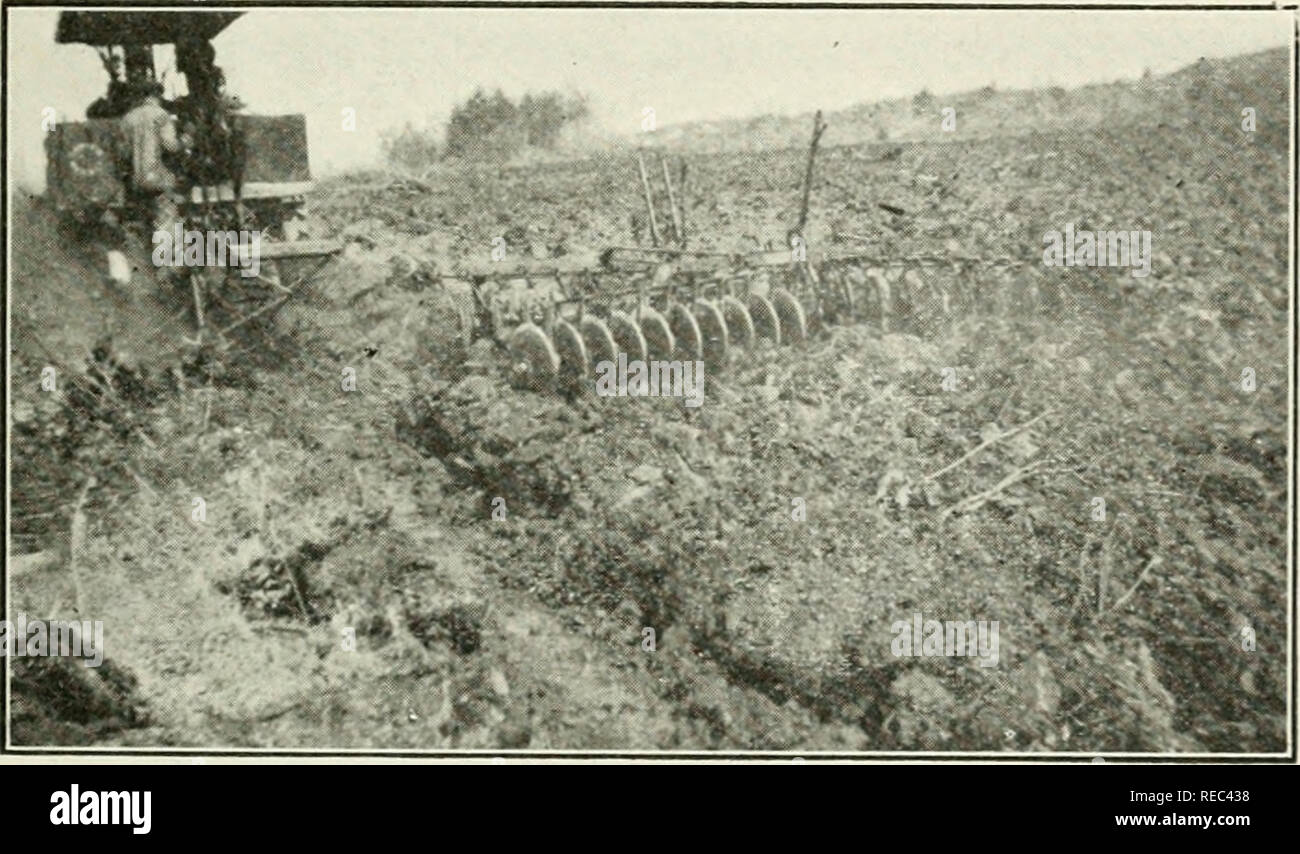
<point>150,132</point>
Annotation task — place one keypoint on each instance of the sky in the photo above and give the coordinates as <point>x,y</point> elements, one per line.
<point>392,66</point>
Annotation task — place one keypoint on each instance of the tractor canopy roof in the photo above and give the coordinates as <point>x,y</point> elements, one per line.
<point>140,28</point>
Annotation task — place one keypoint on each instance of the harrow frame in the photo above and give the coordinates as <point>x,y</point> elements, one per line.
<point>673,303</point>
<point>708,305</point>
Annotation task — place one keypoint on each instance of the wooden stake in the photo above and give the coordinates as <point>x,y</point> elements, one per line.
<point>649,199</point>
<point>681,185</point>
<point>819,127</point>
<point>672,200</point>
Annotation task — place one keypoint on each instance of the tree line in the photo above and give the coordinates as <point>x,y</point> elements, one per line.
<point>489,127</point>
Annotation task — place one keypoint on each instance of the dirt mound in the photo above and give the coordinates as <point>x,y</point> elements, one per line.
<point>64,303</point>
<point>60,701</point>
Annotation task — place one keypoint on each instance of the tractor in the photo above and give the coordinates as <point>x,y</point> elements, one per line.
<point>238,171</point>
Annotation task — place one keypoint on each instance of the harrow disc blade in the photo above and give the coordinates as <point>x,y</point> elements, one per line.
<point>740,326</point>
<point>918,296</point>
<point>852,305</point>
<point>690,341</point>
<point>794,327</point>
<point>533,359</point>
<point>839,295</point>
<point>599,341</point>
<point>766,323</point>
<point>713,329</point>
<point>884,299</point>
<point>575,361</point>
<point>627,335</point>
<point>659,339</point>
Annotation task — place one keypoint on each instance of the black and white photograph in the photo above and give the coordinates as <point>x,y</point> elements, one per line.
<point>649,382</point>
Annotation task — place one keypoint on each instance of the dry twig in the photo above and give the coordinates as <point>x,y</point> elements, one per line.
<point>1146,570</point>
<point>76,538</point>
<point>1005,434</point>
<point>978,500</point>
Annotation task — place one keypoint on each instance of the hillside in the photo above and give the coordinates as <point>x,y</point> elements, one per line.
<point>1218,85</point>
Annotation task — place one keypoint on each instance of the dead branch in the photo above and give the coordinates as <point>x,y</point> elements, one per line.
<point>986,443</point>
<point>20,565</point>
<point>1151,564</point>
<point>1083,586</point>
<point>76,539</point>
<point>270,306</point>
<point>978,500</point>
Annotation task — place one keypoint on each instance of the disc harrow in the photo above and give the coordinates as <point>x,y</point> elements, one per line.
<point>669,303</point>
<point>691,307</point>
